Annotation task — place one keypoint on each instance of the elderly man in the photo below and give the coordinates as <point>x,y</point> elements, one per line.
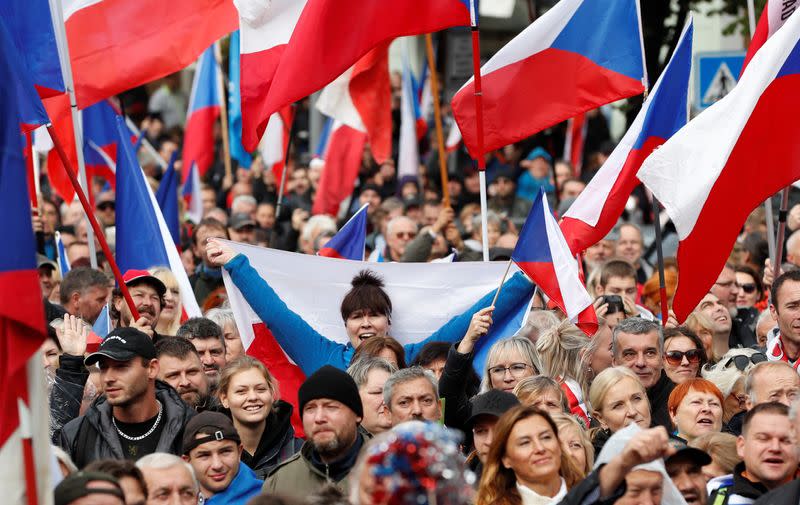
<point>412,394</point>
<point>639,345</point>
<point>399,233</point>
<point>768,452</point>
<point>169,480</point>
<point>331,410</point>
<point>370,375</point>
<point>213,448</point>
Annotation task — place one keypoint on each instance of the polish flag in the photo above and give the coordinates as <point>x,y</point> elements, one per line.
<point>578,56</point>
<point>596,210</point>
<point>713,172</point>
<point>343,157</point>
<point>361,98</point>
<point>774,15</point>
<point>292,48</point>
<point>542,253</point>
<point>115,45</point>
<point>204,111</point>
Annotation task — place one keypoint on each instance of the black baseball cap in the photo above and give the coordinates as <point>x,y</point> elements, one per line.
<point>123,344</point>
<point>491,403</point>
<point>215,425</point>
<point>74,487</point>
<point>683,451</point>
<point>240,220</point>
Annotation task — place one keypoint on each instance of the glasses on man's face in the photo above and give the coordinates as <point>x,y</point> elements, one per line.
<point>516,370</point>
<point>741,362</point>
<point>675,358</point>
<point>406,234</point>
<point>747,288</point>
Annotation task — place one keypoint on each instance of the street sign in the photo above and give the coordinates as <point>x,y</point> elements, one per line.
<point>716,73</point>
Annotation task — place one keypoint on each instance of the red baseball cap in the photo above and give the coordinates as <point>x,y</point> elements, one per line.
<point>134,277</point>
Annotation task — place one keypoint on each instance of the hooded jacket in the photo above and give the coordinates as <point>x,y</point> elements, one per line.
<point>277,443</point>
<point>243,487</point>
<point>92,436</point>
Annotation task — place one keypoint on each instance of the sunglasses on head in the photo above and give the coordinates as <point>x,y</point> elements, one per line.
<point>675,358</point>
<point>741,362</point>
<point>747,288</point>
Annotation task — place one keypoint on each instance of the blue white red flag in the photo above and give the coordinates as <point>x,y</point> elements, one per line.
<point>500,329</point>
<point>350,240</point>
<point>143,239</point>
<point>238,152</point>
<point>21,314</point>
<point>167,197</point>
<point>579,55</point>
<point>542,253</point>
<point>100,140</point>
<point>63,261</point>
<point>204,110</point>
<point>597,209</point>
<point>192,196</point>
<point>711,174</point>
<point>102,325</point>
<point>282,42</point>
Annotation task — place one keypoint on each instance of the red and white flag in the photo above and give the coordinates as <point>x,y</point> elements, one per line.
<point>712,173</point>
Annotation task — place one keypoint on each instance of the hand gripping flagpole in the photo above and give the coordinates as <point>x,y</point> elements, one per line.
<point>476,66</point>
<point>92,220</point>
<point>437,118</point>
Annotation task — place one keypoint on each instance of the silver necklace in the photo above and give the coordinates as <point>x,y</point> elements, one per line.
<point>140,437</point>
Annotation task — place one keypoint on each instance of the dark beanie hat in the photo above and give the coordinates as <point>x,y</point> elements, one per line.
<point>334,384</point>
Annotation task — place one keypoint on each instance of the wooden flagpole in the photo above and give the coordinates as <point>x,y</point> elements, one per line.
<point>223,115</point>
<point>437,117</point>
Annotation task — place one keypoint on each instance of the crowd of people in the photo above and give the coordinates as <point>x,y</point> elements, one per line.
<point>173,410</point>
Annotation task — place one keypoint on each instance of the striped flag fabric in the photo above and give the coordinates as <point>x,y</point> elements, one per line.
<point>350,240</point>
<point>192,196</point>
<point>204,111</point>
<point>63,261</point>
<point>774,15</point>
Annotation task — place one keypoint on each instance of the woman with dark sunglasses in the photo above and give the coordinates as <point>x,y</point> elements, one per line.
<point>683,354</point>
<point>751,291</point>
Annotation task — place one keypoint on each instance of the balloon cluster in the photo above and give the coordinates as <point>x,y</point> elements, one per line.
<point>418,463</point>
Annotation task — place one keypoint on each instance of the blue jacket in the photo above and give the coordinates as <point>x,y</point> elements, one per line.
<point>310,350</point>
<point>243,487</point>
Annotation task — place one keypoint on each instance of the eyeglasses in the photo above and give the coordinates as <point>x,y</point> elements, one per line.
<point>741,362</point>
<point>406,234</point>
<point>515,369</point>
<point>747,288</point>
<point>675,358</point>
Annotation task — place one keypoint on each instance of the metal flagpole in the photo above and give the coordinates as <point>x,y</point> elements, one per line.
<point>57,14</point>
<point>476,66</point>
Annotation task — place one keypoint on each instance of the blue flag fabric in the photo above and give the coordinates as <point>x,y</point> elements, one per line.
<point>167,198</point>
<point>238,152</point>
<point>29,108</point>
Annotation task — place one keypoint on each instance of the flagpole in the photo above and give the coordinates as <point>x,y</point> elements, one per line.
<point>146,143</point>
<point>782,213</point>
<point>92,220</point>
<point>59,27</point>
<point>478,94</point>
<point>662,285</point>
<point>26,434</point>
<point>437,118</point>
<point>502,281</point>
<point>223,116</point>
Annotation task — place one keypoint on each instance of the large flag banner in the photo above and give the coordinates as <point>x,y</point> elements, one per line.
<point>282,42</point>
<point>774,15</point>
<point>350,240</point>
<point>115,45</point>
<point>597,209</point>
<point>542,253</point>
<point>143,238</point>
<point>713,172</point>
<point>424,297</point>
<point>361,98</point>
<point>204,111</point>
<point>579,55</point>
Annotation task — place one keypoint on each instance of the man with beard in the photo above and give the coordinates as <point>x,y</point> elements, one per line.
<point>137,415</point>
<point>331,410</point>
<point>148,293</point>
<point>743,328</point>
<point>180,367</point>
<point>411,394</point>
<point>207,338</point>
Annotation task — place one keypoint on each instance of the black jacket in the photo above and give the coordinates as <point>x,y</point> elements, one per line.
<point>453,384</point>
<point>587,492</point>
<point>277,443</point>
<point>92,436</point>
<point>66,394</point>
<point>658,396</point>
<point>788,494</point>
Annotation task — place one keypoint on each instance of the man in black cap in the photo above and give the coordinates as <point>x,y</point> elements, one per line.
<point>137,415</point>
<point>103,489</point>
<point>213,448</point>
<point>331,410</point>
<point>486,410</point>
<point>685,469</point>
<point>242,228</point>
<point>148,293</point>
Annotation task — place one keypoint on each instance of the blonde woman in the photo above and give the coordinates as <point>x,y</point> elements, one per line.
<point>617,399</point>
<point>575,441</point>
<point>170,319</point>
<point>562,353</point>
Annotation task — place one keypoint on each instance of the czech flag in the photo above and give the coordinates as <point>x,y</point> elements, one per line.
<point>349,242</point>
<point>774,15</point>
<point>578,56</point>
<point>204,110</point>
<point>542,253</point>
<point>100,141</point>
<point>192,196</point>
<point>596,210</point>
<point>143,238</point>
<point>283,41</point>
<point>713,172</point>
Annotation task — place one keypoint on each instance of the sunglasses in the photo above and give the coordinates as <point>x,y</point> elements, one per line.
<point>742,362</point>
<point>675,358</point>
<point>106,206</point>
<point>406,234</point>
<point>747,288</point>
